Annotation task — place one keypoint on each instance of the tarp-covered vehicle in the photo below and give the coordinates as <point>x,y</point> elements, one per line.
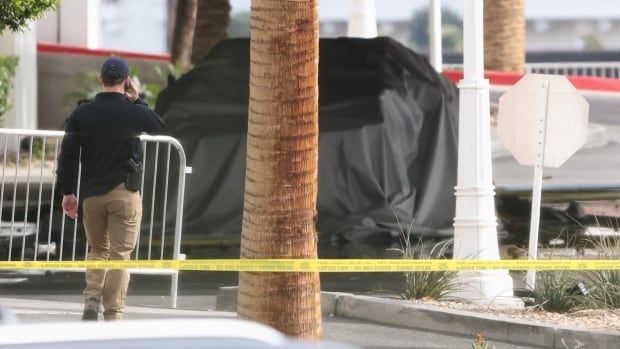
<point>388,140</point>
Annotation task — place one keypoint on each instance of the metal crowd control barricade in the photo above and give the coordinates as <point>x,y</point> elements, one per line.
<point>33,226</point>
<point>592,69</point>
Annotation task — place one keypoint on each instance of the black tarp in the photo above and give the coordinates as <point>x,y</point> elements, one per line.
<point>388,140</point>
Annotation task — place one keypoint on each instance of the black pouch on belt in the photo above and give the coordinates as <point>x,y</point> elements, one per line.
<point>133,180</point>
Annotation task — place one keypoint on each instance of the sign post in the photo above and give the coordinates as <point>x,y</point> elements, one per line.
<point>542,120</point>
<point>538,177</point>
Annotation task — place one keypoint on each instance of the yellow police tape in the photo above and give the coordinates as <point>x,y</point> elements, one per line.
<point>322,265</point>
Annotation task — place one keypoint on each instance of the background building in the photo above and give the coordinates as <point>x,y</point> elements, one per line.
<point>144,26</point>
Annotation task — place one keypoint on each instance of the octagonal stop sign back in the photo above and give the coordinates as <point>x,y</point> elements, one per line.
<point>521,108</point>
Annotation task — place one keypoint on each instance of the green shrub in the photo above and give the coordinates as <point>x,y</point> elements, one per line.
<point>8,64</point>
<point>554,291</point>
<point>152,90</point>
<point>87,85</point>
<point>16,14</point>
<point>37,148</point>
<point>434,285</point>
<point>604,285</point>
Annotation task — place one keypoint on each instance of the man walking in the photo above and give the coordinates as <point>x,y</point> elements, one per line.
<point>102,134</point>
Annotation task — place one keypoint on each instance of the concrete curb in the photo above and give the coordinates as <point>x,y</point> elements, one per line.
<point>226,300</point>
<point>466,323</point>
<point>457,322</point>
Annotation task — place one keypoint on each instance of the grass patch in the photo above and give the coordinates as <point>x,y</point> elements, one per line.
<point>555,291</point>
<point>435,285</point>
<point>604,284</point>
<point>566,291</point>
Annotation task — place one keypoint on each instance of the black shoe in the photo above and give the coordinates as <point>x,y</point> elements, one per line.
<point>91,312</point>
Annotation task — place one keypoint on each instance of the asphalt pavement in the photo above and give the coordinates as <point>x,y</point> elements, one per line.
<point>604,107</point>
<point>587,168</point>
<point>355,332</point>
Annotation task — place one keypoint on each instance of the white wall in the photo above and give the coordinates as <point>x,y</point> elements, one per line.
<point>47,27</point>
<point>135,25</point>
<point>75,23</point>
<point>22,44</point>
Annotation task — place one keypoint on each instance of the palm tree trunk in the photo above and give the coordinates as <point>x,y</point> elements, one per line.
<point>279,211</point>
<point>504,35</point>
<point>212,18</point>
<point>183,34</point>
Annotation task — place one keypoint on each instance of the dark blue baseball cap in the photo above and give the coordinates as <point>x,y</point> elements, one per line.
<point>114,68</point>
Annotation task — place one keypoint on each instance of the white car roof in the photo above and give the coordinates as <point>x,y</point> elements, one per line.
<point>138,329</point>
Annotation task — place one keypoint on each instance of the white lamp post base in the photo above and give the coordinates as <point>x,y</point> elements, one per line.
<point>488,288</point>
<point>475,224</point>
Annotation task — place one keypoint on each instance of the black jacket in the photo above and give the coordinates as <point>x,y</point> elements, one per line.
<point>105,131</point>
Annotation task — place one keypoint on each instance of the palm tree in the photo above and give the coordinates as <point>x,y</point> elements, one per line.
<point>212,18</point>
<point>279,210</point>
<point>504,35</point>
<point>183,34</point>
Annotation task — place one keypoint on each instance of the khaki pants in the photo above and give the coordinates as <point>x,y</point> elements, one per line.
<point>112,222</point>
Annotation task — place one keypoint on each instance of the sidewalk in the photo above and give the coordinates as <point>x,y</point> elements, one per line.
<point>368,322</point>
<point>30,310</point>
<point>358,332</point>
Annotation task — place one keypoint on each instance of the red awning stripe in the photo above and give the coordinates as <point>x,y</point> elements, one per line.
<point>74,50</point>
<point>580,82</point>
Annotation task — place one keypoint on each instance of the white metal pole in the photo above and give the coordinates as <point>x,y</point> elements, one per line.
<point>538,177</point>
<point>435,35</point>
<point>473,41</point>
<point>363,19</point>
<point>475,224</point>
